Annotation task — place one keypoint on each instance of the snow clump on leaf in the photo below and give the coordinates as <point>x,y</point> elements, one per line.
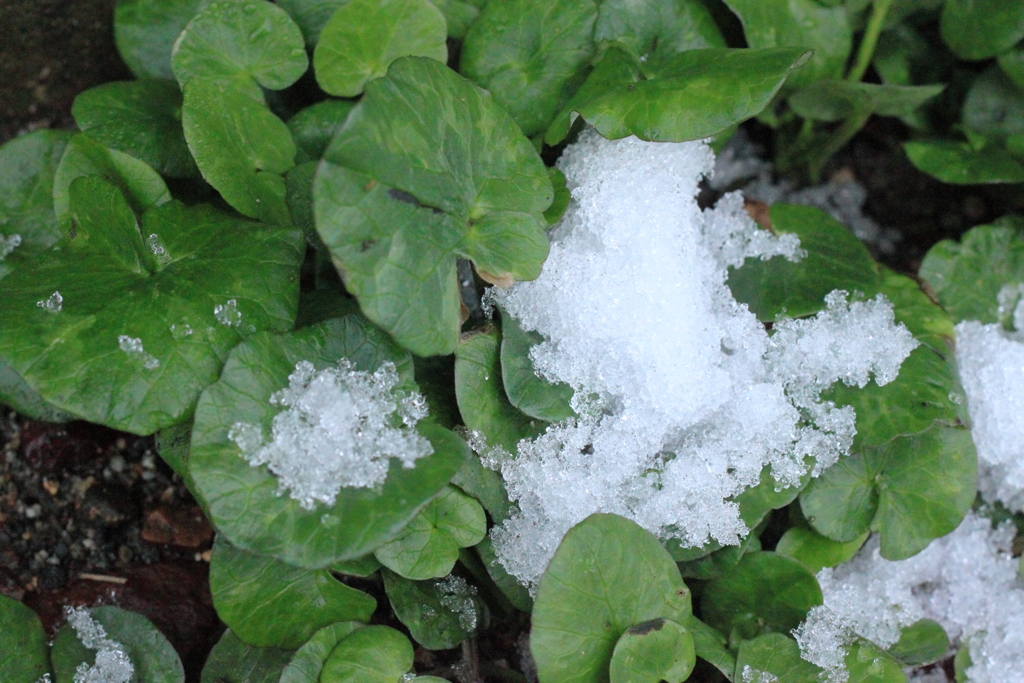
<point>112,665</point>
<point>339,428</point>
<point>966,581</point>
<point>684,397</point>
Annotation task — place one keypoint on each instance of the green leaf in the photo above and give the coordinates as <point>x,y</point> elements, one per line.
<point>910,404</point>
<point>308,661</point>
<point>560,203</point>
<point>460,180</point>
<point>421,606</point>
<point>268,603</point>
<point>152,656</point>
<point>764,593</point>
<point>925,319</point>
<point>243,501</point>
<point>232,661</point>
<point>141,185</point>
<point>608,574</point>
<point>921,643</point>
<point>683,100</point>
<point>361,566</point>
<point>241,148</point>
<point>994,106</point>
<point>653,651</point>
<point>140,118</point>
<point>1012,64</point>
<point>116,290</point>
<point>526,391</point>
<point>531,54</point>
<point>486,486</point>
<point>364,37</point>
<point>960,164</point>
<point>710,645</point>
<point>799,23</point>
<point>235,39</point>
<point>835,259</point>
<point>979,29</point>
<point>27,166</point>
<point>145,31</point>
<point>961,663</point>
<point>314,127</point>
<point>24,652</point>
<point>967,276</point>
<point>816,551</point>
<point>429,546</point>
<point>834,100</point>
<point>458,15</point>
<point>375,654</point>
<point>481,396</point>
<point>775,654</point>
<point>868,663</point>
<point>911,490</point>
<point>657,29</point>
<point>311,15</point>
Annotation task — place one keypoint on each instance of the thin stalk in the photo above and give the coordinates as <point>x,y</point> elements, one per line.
<point>835,141</point>
<point>866,51</point>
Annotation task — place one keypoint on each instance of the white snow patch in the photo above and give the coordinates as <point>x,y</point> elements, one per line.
<point>227,314</point>
<point>133,347</point>
<point>683,395</point>
<point>457,598</point>
<point>339,428</point>
<point>52,304</point>
<point>967,581</point>
<point>112,665</point>
<point>8,244</point>
<point>751,675</point>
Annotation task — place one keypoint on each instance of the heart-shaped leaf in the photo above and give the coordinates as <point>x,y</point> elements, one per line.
<point>241,148</point>
<point>232,661</point>
<point>529,393</point>
<point>911,490</point>
<point>269,603</point>
<point>152,656</point>
<point>28,224</point>
<point>439,614</point>
<point>375,654</point>
<point>238,39</point>
<point>145,31</point>
<point>651,652</point>
<point>308,661</point>
<point>960,164</point>
<point>765,592</point>
<point>126,330</point>
<point>608,574</point>
<point>244,502</point>
<point>397,209</point>
<point>683,99</point>
<point>979,29</point>
<point>834,100</point>
<point>657,29</point>
<point>777,655</point>
<point>816,551</point>
<point>835,259</point>
<point>24,652</point>
<point>364,37</point>
<point>142,186</point>
<point>967,276</point>
<point>429,546</point>
<point>139,118</point>
<point>481,396</point>
<point>531,54</point>
<point>314,127</point>
<point>799,23</point>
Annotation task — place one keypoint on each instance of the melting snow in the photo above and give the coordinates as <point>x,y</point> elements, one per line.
<point>133,347</point>
<point>8,244</point>
<point>52,304</point>
<point>112,664</point>
<point>227,314</point>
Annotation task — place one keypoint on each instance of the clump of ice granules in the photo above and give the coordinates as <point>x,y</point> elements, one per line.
<point>339,428</point>
<point>683,394</point>
<point>111,665</point>
<point>967,581</point>
<point>991,362</point>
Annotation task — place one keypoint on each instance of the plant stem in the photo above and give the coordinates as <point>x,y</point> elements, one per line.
<point>835,141</point>
<point>866,51</point>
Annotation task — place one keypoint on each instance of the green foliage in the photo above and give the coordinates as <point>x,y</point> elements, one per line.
<point>923,642</point>
<point>421,606</point>
<point>816,551</point>
<point>656,650</point>
<point>232,661</point>
<point>152,656</point>
<point>24,652</point>
<point>243,501</point>
<point>308,661</point>
<point>268,603</point>
<point>375,654</point>
<point>607,575</point>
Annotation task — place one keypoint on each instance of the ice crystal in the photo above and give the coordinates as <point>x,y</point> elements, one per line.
<point>133,347</point>
<point>111,665</point>
<point>339,427</point>
<point>8,244</point>
<point>52,304</point>
<point>227,314</point>
<point>457,598</point>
